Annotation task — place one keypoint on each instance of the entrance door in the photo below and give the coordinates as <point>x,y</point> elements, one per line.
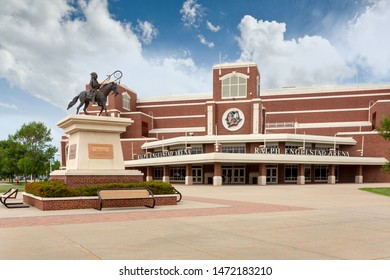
<point>272,174</point>
<point>233,174</point>
<point>197,175</point>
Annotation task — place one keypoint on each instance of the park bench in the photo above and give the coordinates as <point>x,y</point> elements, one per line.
<point>127,194</point>
<point>11,193</point>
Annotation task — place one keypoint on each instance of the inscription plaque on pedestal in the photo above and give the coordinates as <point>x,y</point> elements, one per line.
<point>100,151</point>
<point>72,151</point>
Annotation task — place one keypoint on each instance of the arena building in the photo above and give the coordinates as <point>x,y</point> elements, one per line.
<point>239,134</point>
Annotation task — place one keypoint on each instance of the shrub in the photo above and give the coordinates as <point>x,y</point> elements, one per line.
<point>56,188</point>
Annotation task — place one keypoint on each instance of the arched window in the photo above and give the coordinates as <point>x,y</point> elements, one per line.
<point>126,101</point>
<point>234,85</point>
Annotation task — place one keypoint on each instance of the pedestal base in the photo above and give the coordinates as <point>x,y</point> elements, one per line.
<point>82,178</point>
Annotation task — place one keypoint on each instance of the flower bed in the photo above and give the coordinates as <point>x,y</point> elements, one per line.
<point>87,202</point>
<point>55,195</point>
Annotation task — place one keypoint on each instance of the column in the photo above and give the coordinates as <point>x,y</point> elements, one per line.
<point>331,174</point>
<point>262,179</point>
<point>188,179</point>
<point>149,173</point>
<point>359,174</point>
<point>301,174</point>
<point>217,179</point>
<point>166,174</point>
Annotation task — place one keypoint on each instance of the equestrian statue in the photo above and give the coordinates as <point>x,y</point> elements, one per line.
<point>97,93</point>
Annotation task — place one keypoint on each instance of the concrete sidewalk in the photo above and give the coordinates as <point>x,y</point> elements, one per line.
<point>229,222</point>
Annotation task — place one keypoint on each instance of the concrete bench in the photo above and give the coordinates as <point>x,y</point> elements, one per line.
<point>127,194</point>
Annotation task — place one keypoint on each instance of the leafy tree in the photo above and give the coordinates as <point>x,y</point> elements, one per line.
<point>35,139</point>
<point>384,131</point>
<point>10,153</point>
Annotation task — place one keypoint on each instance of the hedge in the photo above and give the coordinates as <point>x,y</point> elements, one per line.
<point>56,188</point>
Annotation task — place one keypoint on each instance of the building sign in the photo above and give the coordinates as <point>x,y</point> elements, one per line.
<point>100,151</point>
<point>182,152</point>
<point>233,119</point>
<point>300,151</point>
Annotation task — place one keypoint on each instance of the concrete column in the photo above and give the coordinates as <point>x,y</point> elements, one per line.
<point>262,178</point>
<point>301,174</point>
<point>188,179</point>
<point>149,173</point>
<point>217,179</point>
<point>359,174</point>
<point>331,174</point>
<point>166,174</point>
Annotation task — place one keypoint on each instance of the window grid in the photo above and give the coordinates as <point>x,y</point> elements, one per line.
<point>125,101</point>
<point>234,86</point>
<point>233,149</point>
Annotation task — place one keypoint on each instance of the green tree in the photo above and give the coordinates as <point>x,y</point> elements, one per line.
<point>384,131</point>
<point>10,153</point>
<point>35,139</point>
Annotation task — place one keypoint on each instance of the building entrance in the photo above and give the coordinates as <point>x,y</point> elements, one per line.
<point>197,175</point>
<point>272,174</point>
<point>233,174</point>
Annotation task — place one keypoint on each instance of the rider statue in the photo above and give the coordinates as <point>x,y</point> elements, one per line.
<point>93,86</point>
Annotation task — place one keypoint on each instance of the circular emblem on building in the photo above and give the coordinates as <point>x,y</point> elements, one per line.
<point>233,119</point>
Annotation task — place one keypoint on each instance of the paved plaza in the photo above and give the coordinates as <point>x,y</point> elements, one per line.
<point>281,222</point>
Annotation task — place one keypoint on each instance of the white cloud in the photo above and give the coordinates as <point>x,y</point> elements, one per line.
<point>367,41</point>
<point>8,106</point>
<point>212,27</point>
<point>49,48</point>
<point>307,61</point>
<point>203,40</point>
<point>147,31</point>
<point>192,13</point>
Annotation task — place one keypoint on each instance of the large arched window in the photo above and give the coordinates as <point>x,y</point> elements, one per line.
<point>126,101</point>
<point>234,85</point>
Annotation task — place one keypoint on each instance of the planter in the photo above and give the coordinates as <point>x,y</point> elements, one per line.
<point>87,202</point>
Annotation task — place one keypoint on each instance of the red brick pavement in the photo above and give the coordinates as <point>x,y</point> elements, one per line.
<point>230,207</point>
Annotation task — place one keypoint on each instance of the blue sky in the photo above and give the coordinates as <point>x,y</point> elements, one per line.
<point>49,48</point>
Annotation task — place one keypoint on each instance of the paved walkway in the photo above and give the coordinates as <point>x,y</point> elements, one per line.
<point>228,222</point>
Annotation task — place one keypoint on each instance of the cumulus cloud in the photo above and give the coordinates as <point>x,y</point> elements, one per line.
<point>212,27</point>
<point>203,40</point>
<point>367,40</point>
<point>48,49</point>
<point>192,13</point>
<point>306,61</point>
<point>147,31</point>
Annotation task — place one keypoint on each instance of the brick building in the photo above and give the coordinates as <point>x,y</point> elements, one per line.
<point>239,134</point>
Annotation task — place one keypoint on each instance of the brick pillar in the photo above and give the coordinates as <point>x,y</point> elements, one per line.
<point>188,179</point>
<point>149,173</point>
<point>301,174</point>
<point>359,174</point>
<point>331,174</point>
<point>217,179</point>
<point>262,179</point>
<point>166,174</point>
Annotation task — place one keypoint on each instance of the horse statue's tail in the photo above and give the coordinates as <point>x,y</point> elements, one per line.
<point>71,103</point>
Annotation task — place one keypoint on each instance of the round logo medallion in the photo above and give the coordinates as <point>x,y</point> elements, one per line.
<point>233,119</point>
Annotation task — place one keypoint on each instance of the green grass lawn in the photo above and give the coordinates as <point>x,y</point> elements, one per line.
<point>382,191</point>
<point>4,188</point>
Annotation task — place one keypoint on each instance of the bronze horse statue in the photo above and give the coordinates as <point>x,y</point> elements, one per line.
<point>101,98</point>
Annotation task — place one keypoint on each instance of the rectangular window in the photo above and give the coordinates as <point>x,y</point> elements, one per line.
<point>233,149</point>
<point>321,173</point>
<point>234,86</point>
<point>196,150</point>
<point>290,172</point>
<point>177,173</point>
<point>126,101</point>
<point>158,173</point>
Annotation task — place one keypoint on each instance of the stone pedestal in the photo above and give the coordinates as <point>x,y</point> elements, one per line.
<point>94,152</point>
<point>217,180</point>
